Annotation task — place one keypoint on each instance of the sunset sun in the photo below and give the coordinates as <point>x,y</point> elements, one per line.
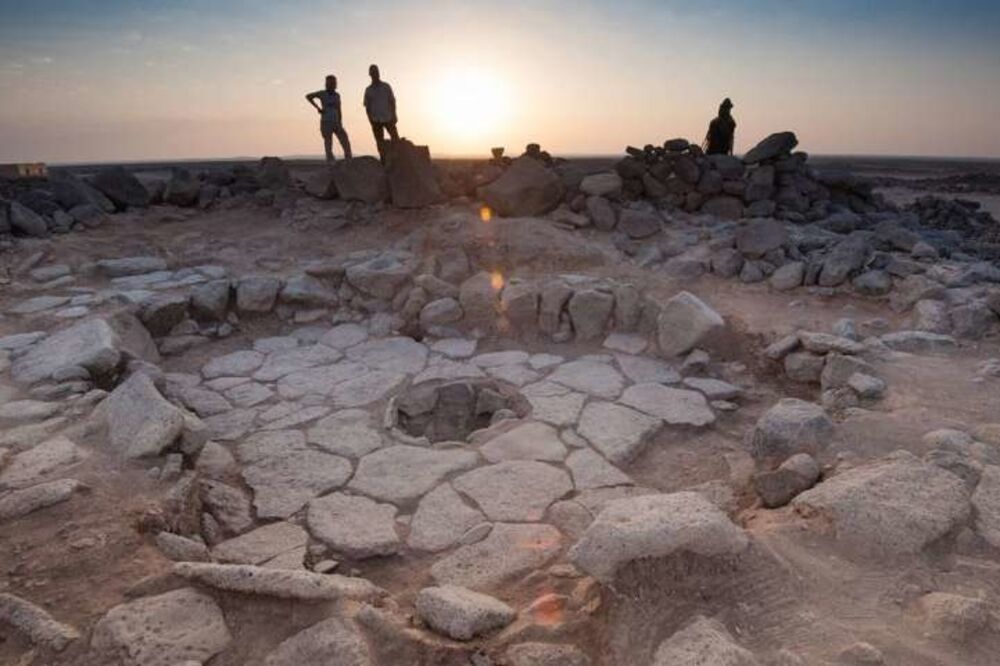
<point>470,104</point>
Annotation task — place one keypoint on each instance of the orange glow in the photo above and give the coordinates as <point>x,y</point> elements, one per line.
<point>548,609</point>
<point>496,280</point>
<point>485,214</point>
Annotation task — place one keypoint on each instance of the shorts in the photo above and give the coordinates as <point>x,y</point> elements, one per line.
<point>330,127</point>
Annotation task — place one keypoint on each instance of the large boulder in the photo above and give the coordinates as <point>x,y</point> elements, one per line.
<point>71,192</point>
<point>122,188</point>
<point>789,427</point>
<point>685,322</point>
<point>608,184</point>
<point>182,189</point>
<point>526,188</point>
<point>704,642</point>
<point>92,344</point>
<point>845,258</point>
<point>758,237</point>
<point>273,173</point>
<point>639,223</point>
<point>360,179</point>
<point>412,180</point>
<point>28,222</point>
<point>140,421</point>
<point>655,526</point>
<point>773,146</point>
<point>895,506</point>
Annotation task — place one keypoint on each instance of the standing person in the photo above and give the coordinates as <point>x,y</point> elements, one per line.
<point>380,104</point>
<point>721,131</point>
<point>330,118</point>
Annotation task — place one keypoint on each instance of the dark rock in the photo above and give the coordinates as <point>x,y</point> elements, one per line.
<point>182,189</point>
<point>638,223</point>
<point>71,191</point>
<point>758,237</point>
<point>527,188</point>
<point>723,206</point>
<point>272,173</point>
<point>412,180</point>
<point>122,188</point>
<point>846,257</point>
<point>28,222</point>
<point>773,146</point>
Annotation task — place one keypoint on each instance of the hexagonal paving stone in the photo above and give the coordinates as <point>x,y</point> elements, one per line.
<point>518,490</point>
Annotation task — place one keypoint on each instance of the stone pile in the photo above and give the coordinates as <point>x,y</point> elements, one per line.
<point>963,222</point>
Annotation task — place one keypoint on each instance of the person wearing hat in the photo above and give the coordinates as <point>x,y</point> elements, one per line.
<point>722,129</point>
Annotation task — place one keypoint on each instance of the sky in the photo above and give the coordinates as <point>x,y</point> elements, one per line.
<point>120,80</point>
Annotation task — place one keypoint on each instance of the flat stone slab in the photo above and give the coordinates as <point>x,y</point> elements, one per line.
<point>168,629</point>
<point>518,375</point>
<point>653,526</point>
<point>674,406</point>
<point>270,444</point>
<point>455,347</point>
<point>366,389</point>
<point>510,551</point>
<point>344,336</point>
<point>298,417</point>
<point>713,389</point>
<point>554,403</point>
<point>286,361</point>
<point>231,425</point>
<point>283,484</point>
<point>403,473</point>
<point>395,355</point>
<point>354,526</point>
<point>496,359</point>
<point>319,381</point>
<point>596,379</point>
<point>262,544</point>
<point>529,441</point>
<point>248,394</point>
<point>591,470</point>
<point>519,490</point>
<point>616,431</point>
<point>202,401</point>
<point>237,364</point>
<point>441,519</point>
<point>345,433</point>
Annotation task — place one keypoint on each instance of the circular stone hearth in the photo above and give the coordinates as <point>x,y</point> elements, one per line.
<point>451,411</point>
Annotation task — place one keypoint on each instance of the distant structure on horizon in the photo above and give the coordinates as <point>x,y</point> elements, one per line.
<point>24,170</point>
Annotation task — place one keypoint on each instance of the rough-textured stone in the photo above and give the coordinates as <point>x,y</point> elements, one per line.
<point>789,427</point>
<point>34,622</point>
<point>674,406</point>
<point>894,506</point>
<point>519,490</point>
<point>655,526</point>
<point>510,551</point>
<point>91,344</point>
<point>360,179</point>
<point>526,188</point>
<point>404,473</point>
<point>685,322</point>
<point>616,431</point>
<point>262,544</point>
<point>355,526</point>
<point>441,519</point>
<point>280,583</point>
<point>596,379</point>
<point>529,441</point>
<point>283,483</point>
<point>316,645</point>
<point>164,630</point>
<point>140,421</point>
<point>702,642</point>
<point>460,613</point>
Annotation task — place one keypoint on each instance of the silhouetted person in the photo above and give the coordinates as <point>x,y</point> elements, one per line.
<point>330,118</point>
<point>380,104</point>
<point>721,131</point>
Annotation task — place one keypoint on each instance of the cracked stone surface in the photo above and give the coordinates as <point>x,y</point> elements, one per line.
<point>441,519</point>
<point>518,490</point>
<point>354,526</point>
<point>510,551</point>
<point>404,473</point>
<point>616,431</point>
<point>674,406</point>
<point>590,377</point>
<point>282,484</point>
<point>529,441</point>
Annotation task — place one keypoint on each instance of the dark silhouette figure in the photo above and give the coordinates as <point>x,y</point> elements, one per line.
<point>380,104</point>
<point>331,120</point>
<point>721,131</point>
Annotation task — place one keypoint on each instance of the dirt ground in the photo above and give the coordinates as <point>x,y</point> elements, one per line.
<point>80,558</point>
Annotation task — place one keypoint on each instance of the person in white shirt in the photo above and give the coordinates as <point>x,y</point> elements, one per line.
<point>380,104</point>
<point>330,119</point>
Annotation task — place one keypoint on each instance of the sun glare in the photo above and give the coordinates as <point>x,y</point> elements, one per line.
<point>470,105</point>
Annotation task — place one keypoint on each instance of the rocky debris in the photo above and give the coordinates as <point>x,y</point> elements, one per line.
<point>460,613</point>
<point>952,617</point>
<point>17,503</point>
<point>71,191</point>
<point>35,622</point>
<point>791,426</point>
<point>894,506</point>
<point>655,526</point>
<point>140,421</point>
<point>510,551</point>
<point>164,630</point>
<point>526,188</point>
<point>778,487</point>
<point>354,526</point>
<point>122,188</point>
<point>91,344</point>
<point>703,641</point>
<point>315,645</point>
<point>281,583</point>
<point>686,322</point>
